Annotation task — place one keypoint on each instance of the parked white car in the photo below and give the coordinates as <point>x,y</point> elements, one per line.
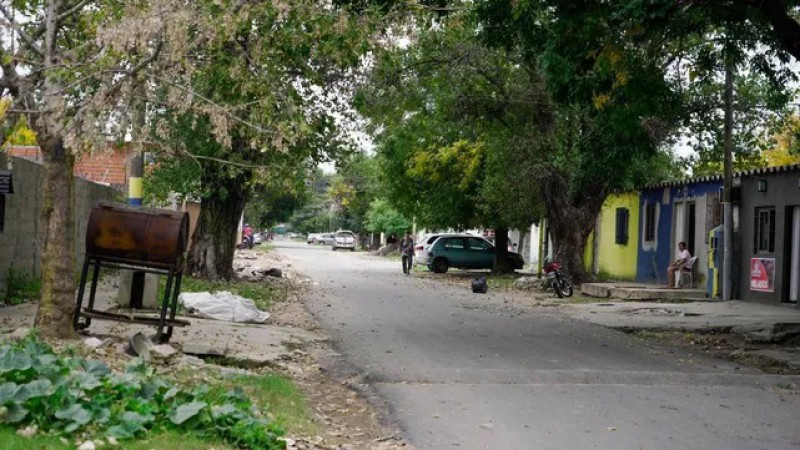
<point>312,238</point>
<point>344,239</point>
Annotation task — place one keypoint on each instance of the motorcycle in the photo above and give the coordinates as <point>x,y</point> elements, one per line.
<point>557,280</point>
<point>247,243</point>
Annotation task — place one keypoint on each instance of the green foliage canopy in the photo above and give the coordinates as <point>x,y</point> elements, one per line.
<point>382,218</point>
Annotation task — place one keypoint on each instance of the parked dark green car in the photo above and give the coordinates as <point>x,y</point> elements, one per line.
<point>465,253</point>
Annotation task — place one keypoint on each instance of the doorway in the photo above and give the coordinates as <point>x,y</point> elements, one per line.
<point>685,225</point>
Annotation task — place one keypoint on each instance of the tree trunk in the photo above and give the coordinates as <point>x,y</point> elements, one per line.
<point>502,264</point>
<point>570,219</point>
<point>215,238</point>
<point>57,301</point>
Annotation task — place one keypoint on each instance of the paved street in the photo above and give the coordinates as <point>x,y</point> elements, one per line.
<point>468,371</point>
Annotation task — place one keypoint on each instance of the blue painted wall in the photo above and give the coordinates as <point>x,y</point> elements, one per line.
<point>654,257</point>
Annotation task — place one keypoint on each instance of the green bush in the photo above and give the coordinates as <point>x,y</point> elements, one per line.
<point>69,395</point>
<point>21,287</point>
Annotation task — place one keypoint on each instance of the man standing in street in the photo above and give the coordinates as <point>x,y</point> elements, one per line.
<point>407,252</point>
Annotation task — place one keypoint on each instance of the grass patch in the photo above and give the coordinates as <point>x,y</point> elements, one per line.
<point>286,403</point>
<point>283,399</point>
<point>262,294</point>
<point>165,441</point>
<point>505,281</point>
<point>22,287</point>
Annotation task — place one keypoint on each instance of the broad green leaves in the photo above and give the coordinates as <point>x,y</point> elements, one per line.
<point>185,412</point>
<point>67,396</point>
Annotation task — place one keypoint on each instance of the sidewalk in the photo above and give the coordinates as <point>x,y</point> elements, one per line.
<point>755,323</point>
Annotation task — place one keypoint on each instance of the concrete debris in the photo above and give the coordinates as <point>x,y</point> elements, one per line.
<point>87,445</point>
<point>189,360</point>
<point>140,346</point>
<point>163,351</point>
<point>203,349</point>
<point>93,342</point>
<point>776,333</point>
<point>27,431</point>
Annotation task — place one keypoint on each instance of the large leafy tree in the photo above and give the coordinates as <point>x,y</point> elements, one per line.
<point>638,72</point>
<point>460,130</point>
<point>382,218</point>
<point>264,85</point>
<point>485,135</point>
<point>69,66</point>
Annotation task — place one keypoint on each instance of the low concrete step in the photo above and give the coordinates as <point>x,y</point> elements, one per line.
<point>634,291</point>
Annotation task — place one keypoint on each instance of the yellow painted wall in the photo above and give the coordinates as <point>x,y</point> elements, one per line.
<point>587,252</point>
<point>617,261</point>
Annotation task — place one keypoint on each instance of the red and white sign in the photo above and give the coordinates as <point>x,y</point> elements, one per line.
<point>762,274</point>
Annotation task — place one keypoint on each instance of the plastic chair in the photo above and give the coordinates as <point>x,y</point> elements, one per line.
<point>687,272</point>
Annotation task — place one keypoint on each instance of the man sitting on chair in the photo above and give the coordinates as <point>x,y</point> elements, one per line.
<point>683,261</point>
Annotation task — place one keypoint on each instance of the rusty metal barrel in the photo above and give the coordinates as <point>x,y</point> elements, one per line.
<point>138,236</point>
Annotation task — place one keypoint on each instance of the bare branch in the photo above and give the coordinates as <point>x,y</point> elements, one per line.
<point>72,10</point>
<point>30,41</point>
<point>146,61</point>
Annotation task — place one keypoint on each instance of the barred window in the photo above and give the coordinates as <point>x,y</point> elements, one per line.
<point>650,222</point>
<point>765,230</point>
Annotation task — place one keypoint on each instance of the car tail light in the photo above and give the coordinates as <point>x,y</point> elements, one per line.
<point>419,247</point>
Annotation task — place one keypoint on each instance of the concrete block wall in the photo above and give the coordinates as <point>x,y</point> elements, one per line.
<point>22,237</point>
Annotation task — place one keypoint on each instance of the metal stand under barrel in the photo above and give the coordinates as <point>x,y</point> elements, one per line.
<point>149,240</point>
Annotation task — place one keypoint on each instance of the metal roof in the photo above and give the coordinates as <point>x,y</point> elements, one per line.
<point>718,177</point>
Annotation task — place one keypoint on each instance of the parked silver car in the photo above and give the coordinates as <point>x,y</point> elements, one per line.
<point>344,239</point>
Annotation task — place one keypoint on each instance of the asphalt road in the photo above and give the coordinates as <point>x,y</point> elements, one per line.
<point>468,371</point>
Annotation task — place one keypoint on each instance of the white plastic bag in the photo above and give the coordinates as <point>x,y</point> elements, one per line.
<point>222,306</point>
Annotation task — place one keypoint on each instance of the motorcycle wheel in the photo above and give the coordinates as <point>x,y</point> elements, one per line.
<point>557,287</point>
<point>565,288</point>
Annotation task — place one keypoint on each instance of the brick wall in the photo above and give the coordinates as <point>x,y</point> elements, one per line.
<point>23,234</point>
<point>108,166</point>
